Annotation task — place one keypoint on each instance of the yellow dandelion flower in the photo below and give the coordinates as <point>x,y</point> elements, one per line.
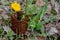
<point>15,6</point>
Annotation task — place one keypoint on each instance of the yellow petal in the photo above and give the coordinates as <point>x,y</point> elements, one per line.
<point>15,6</point>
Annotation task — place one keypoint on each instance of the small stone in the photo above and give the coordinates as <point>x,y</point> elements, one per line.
<point>53,30</point>
<point>6,28</point>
